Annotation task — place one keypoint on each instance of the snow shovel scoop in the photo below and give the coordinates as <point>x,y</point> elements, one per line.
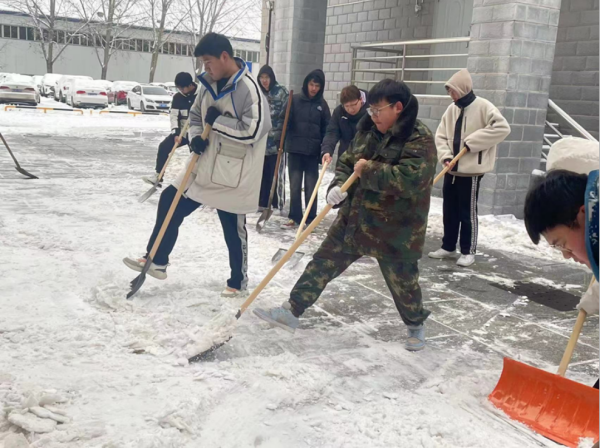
<point>137,282</point>
<point>295,259</point>
<point>267,212</point>
<point>224,336</point>
<point>17,166</point>
<point>156,185</point>
<point>552,405</point>
<point>220,338</point>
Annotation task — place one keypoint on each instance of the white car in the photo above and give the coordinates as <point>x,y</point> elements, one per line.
<point>146,97</point>
<point>62,86</point>
<point>171,87</point>
<point>49,81</point>
<point>86,93</point>
<point>18,89</point>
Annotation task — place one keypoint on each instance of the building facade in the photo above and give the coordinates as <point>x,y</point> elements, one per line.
<point>21,52</point>
<point>520,53</point>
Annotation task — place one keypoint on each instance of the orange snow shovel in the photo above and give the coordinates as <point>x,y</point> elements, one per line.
<point>552,405</point>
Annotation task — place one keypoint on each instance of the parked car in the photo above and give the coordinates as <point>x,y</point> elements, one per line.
<point>86,93</point>
<point>18,89</point>
<point>146,97</point>
<point>60,92</point>
<point>168,86</point>
<point>49,81</point>
<point>117,94</point>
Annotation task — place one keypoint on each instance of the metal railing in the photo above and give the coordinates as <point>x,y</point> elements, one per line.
<point>397,55</point>
<point>565,116</point>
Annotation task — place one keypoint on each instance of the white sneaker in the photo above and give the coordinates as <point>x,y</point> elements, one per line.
<point>151,179</point>
<point>466,260</point>
<point>157,271</point>
<point>441,254</point>
<point>231,293</point>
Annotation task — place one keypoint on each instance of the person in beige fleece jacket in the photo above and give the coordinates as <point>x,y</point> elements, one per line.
<point>476,124</point>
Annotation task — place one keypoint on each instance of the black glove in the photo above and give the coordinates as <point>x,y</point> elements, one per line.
<point>176,132</point>
<point>199,145</point>
<point>211,115</point>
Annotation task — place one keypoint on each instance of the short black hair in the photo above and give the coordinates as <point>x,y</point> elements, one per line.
<point>183,79</point>
<point>391,91</point>
<point>314,78</point>
<point>213,44</point>
<point>554,200</point>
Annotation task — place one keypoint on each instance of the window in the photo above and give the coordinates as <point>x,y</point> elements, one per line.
<point>171,48</point>
<point>84,40</point>
<point>74,38</point>
<point>191,49</point>
<point>178,49</point>
<point>146,46</point>
<point>14,32</point>
<point>22,33</point>
<point>60,37</point>
<point>31,34</point>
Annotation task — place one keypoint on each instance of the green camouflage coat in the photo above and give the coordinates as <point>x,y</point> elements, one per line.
<point>277,98</point>
<point>385,214</point>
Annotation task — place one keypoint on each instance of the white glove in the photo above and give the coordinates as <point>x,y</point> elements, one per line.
<point>335,196</point>
<point>590,301</point>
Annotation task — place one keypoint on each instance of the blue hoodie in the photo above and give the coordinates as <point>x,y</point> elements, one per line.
<point>591,223</point>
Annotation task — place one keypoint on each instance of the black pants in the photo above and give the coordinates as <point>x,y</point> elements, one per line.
<point>164,149</point>
<point>307,167</point>
<point>460,213</point>
<point>234,230</point>
<point>267,181</point>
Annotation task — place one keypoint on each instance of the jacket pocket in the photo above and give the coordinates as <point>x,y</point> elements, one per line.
<point>480,157</point>
<point>228,165</point>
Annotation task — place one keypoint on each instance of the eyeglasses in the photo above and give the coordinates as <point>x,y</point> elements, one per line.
<point>374,112</point>
<point>561,248</point>
<point>348,105</point>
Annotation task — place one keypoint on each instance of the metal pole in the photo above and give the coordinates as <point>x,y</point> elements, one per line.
<point>354,66</point>
<point>268,36</point>
<point>403,60</point>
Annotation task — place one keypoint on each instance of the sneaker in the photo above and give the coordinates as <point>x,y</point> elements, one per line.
<point>441,254</point>
<point>157,271</point>
<point>232,293</point>
<point>416,338</point>
<point>281,317</point>
<point>290,224</point>
<point>152,179</point>
<point>466,260</point>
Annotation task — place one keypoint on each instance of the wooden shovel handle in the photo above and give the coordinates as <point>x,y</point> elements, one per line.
<point>175,146</point>
<point>280,152</point>
<point>312,199</point>
<point>177,197</point>
<point>292,249</point>
<point>450,165</point>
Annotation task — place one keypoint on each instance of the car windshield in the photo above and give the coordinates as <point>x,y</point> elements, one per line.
<point>21,79</point>
<point>173,88</point>
<point>154,91</point>
<point>124,87</point>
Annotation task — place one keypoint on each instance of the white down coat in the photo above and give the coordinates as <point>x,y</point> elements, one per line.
<point>229,173</point>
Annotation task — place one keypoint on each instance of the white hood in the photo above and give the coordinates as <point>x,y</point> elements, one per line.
<point>574,154</point>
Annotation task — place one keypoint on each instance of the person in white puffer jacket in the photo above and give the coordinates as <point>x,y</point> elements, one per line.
<point>580,156</point>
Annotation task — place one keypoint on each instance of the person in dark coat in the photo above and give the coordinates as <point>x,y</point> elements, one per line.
<point>309,117</point>
<point>277,96</point>
<point>342,126</point>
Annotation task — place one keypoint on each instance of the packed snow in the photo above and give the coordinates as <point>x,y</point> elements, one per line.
<point>81,366</point>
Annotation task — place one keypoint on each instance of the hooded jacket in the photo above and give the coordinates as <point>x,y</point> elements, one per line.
<point>308,121</point>
<point>473,122</point>
<point>342,129</point>
<point>386,211</point>
<point>180,108</point>
<point>229,173</point>
<point>277,97</point>
<point>574,154</point>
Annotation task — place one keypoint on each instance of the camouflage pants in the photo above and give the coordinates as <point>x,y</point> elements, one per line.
<point>330,261</point>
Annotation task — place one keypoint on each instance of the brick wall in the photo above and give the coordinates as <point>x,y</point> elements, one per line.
<point>575,72</point>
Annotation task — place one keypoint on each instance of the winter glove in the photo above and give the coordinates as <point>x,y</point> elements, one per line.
<point>335,196</point>
<point>211,115</point>
<point>199,145</point>
<point>590,301</point>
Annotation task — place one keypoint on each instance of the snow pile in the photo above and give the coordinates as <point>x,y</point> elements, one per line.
<point>216,332</point>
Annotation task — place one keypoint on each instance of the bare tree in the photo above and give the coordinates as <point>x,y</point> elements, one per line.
<point>159,11</point>
<point>108,35</point>
<point>45,15</point>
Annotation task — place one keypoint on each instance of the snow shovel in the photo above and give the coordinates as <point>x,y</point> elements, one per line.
<point>552,405</point>
<point>267,212</point>
<point>17,166</point>
<point>275,270</point>
<point>137,282</point>
<point>152,190</point>
<point>298,255</point>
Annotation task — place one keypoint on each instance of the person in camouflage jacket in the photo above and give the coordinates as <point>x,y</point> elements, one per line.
<point>277,96</point>
<point>383,215</point>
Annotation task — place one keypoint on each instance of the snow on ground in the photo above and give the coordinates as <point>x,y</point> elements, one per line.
<point>119,366</point>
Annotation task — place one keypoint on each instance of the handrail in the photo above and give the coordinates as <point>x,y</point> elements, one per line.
<point>570,120</point>
<point>445,40</point>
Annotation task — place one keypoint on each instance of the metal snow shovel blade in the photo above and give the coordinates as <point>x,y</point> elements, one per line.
<point>552,405</point>
<point>298,255</point>
<point>275,270</point>
<point>268,212</point>
<point>156,185</point>
<point>137,282</point>
<point>17,166</point>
